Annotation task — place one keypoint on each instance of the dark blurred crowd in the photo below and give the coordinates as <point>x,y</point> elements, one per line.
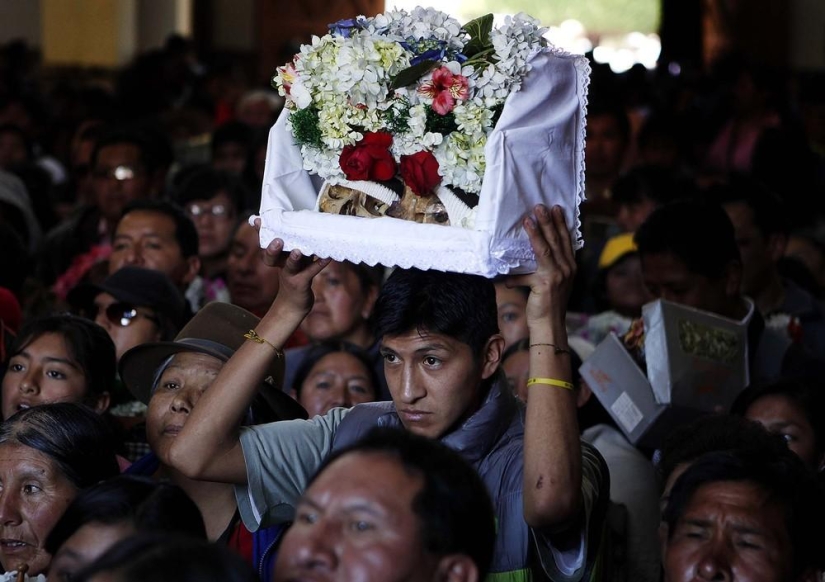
<point>131,281</point>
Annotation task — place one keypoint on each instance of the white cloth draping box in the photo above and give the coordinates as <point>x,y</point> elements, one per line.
<point>534,155</point>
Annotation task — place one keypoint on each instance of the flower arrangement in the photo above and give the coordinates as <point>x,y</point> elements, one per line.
<point>409,96</point>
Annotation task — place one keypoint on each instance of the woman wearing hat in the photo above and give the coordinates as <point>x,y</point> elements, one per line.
<point>619,290</point>
<point>170,377</point>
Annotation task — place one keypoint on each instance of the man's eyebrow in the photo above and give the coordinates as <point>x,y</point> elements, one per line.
<point>304,500</point>
<point>783,423</point>
<point>355,506</point>
<point>696,522</point>
<point>436,345</point>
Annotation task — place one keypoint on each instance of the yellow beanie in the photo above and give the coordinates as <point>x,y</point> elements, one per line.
<point>616,248</point>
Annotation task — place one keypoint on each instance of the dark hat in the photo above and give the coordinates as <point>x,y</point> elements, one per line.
<point>140,287</point>
<point>216,330</point>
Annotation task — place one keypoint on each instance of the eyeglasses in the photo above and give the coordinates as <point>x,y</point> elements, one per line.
<point>218,210</point>
<point>123,314</point>
<point>119,173</point>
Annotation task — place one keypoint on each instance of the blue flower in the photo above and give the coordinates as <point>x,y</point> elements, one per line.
<point>345,27</point>
<point>431,50</point>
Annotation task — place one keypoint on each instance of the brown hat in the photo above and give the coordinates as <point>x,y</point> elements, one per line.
<point>216,330</point>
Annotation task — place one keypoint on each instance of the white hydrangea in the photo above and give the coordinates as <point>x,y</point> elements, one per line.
<point>347,80</point>
<point>473,119</point>
<point>324,163</point>
<point>514,42</point>
<point>461,161</point>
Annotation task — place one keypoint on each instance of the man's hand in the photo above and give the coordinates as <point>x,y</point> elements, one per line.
<point>552,282</point>
<point>296,274</point>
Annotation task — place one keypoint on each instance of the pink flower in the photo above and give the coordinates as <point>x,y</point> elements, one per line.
<point>444,89</point>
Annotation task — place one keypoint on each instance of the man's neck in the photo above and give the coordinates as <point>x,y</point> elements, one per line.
<point>771,297</point>
<point>211,267</point>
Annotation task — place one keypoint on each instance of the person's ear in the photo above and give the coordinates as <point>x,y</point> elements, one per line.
<point>491,357</point>
<point>777,243</point>
<point>369,302</point>
<point>733,279</point>
<point>102,403</point>
<point>193,267</point>
<point>456,568</point>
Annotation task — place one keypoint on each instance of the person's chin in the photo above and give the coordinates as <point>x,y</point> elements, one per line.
<point>14,552</point>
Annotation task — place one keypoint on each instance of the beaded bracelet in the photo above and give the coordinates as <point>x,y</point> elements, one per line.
<point>556,349</point>
<point>550,382</point>
<point>253,336</point>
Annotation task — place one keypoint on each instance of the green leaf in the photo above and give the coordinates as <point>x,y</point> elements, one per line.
<point>412,74</point>
<point>479,30</point>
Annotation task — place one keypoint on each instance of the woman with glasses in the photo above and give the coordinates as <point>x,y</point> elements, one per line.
<point>59,358</point>
<point>135,306</point>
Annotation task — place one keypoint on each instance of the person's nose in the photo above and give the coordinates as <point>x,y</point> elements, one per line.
<point>185,400</point>
<point>317,548</point>
<point>9,508</point>
<point>340,395</point>
<point>714,562</point>
<point>29,384</point>
<point>134,256</point>
<point>318,287</point>
<point>411,390</point>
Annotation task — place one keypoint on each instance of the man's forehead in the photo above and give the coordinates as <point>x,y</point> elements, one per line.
<point>146,222</point>
<point>417,339</point>
<point>120,152</point>
<point>378,477</point>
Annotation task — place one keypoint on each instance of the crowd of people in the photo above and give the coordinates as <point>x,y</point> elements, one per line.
<point>179,403</point>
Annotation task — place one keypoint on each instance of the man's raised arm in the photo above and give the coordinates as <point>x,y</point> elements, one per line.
<point>552,449</point>
<point>208,448</point>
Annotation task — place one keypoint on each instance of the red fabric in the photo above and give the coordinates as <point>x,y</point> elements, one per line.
<point>240,542</point>
<point>296,340</point>
<point>223,113</point>
<point>10,313</point>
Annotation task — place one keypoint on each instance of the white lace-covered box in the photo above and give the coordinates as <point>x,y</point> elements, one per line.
<point>534,155</point>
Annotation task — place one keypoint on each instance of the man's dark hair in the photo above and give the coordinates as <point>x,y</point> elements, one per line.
<point>205,183</point>
<point>232,132</point>
<point>88,344</point>
<point>454,505</point>
<point>659,185</point>
<point>769,213</point>
<point>806,394</point>
<point>145,504</point>
<point>717,432</point>
<point>185,232</point>
<point>150,157</point>
<point>786,481</point>
<point>460,306</point>
<point>169,558</point>
<point>322,349</point>
<point>698,234</point>
<point>74,437</point>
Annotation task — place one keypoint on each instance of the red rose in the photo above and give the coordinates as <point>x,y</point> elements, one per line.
<point>420,172</point>
<point>369,159</point>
